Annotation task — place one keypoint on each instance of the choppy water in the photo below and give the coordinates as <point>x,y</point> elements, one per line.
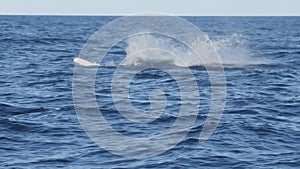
<point>260,127</point>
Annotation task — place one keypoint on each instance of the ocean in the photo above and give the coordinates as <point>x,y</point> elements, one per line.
<point>259,127</point>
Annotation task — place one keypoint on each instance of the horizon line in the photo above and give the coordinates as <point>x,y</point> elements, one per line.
<point>135,14</point>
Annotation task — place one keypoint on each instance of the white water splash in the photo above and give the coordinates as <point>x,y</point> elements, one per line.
<point>233,52</point>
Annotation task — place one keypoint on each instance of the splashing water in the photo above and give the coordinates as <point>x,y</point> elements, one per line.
<point>146,50</point>
<point>233,51</point>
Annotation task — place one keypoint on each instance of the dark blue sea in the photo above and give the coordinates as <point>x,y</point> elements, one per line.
<point>259,128</point>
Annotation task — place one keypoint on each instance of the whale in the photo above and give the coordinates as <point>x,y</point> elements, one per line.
<point>85,63</point>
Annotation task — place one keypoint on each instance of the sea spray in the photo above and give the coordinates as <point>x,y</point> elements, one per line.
<point>233,52</point>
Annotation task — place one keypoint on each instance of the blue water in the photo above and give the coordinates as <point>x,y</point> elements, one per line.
<point>260,127</point>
